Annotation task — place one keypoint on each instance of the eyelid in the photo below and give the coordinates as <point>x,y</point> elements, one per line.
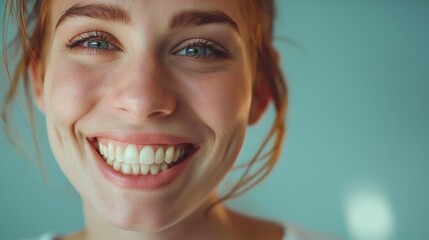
<point>76,41</point>
<point>218,49</point>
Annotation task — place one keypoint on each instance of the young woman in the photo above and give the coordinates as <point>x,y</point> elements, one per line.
<point>147,105</point>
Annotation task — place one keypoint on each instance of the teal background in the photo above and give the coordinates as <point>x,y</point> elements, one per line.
<point>356,158</point>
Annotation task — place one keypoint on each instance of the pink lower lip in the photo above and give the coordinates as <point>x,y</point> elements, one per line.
<point>143,182</point>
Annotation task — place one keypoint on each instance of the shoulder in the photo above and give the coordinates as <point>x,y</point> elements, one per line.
<point>250,227</point>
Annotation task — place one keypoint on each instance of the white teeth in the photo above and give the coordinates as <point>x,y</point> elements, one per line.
<point>169,154</point>
<point>105,151</point>
<point>126,168</point>
<point>164,166</point>
<point>176,155</point>
<point>117,165</point>
<point>136,169</point>
<point>145,168</point>
<point>147,155</point>
<point>119,154</point>
<point>131,155</point>
<point>154,169</point>
<point>128,160</point>
<point>110,162</point>
<point>159,155</point>
<point>110,152</point>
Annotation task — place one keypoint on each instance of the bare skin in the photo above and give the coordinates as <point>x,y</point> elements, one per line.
<point>158,70</point>
<point>240,227</point>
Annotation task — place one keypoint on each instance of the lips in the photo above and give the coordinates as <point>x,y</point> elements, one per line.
<point>148,165</point>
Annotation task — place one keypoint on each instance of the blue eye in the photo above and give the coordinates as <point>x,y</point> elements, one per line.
<point>202,48</point>
<point>195,52</point>
<point>101,42</point>
<point>98,44</point>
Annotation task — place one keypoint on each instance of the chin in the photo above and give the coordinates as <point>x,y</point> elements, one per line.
<point>146,224</point>
<point>133,217</point>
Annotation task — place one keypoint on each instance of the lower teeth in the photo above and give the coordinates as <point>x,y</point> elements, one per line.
<point>139,169</point>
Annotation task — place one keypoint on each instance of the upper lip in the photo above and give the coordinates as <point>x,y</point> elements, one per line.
<point>139,138</point>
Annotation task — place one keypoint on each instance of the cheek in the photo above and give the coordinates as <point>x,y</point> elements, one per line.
<point>224,100</point>
<point>70,91</point>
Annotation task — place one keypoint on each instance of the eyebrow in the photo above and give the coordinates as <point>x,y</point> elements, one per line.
<point>100,11</point>
<point>198,18</point>
<point>115,13</point>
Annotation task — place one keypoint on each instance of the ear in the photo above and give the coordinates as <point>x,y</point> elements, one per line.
<point>262,94</point>
<point>37,80</point>
<point>260,99</point>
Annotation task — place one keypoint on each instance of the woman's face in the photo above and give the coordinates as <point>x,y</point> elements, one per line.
<point>162,89</point>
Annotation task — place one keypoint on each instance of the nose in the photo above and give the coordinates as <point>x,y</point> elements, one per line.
<point>144,91</point>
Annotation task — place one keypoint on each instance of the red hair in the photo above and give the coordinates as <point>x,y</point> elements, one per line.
<point>32,21</point>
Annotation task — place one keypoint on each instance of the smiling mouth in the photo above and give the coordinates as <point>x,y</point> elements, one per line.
<point>133,159</point>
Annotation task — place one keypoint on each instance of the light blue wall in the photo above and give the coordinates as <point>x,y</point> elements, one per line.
<point>356,159</point>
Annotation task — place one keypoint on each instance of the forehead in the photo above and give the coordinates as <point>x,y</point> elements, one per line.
<point>159,11</point>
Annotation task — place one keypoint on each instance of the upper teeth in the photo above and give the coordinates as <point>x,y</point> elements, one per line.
<point>128,158</point>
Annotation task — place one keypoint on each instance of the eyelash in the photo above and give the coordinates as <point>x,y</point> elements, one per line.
<point>76,43</point>
<point>217,49</point>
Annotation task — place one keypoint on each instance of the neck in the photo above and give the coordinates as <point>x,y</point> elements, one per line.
<point>197,225</point>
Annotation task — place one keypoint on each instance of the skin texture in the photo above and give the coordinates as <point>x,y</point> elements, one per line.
<point>142,84</point>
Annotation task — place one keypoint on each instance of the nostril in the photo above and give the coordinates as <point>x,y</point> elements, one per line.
<point>158,114</point>
<point>135,105</point>
<point>142,113</point>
